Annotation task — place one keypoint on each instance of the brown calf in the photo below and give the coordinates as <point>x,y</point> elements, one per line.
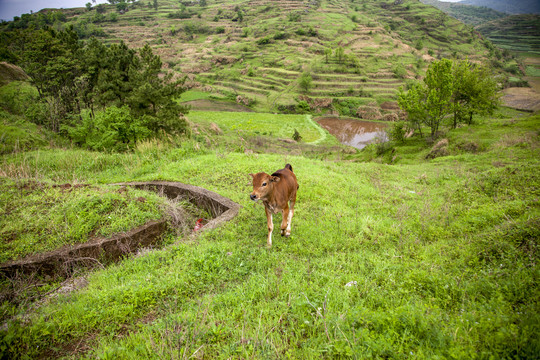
<point>278,194</point>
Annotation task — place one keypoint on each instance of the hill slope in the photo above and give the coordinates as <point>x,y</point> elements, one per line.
<point>355,54</point>
<point>516,32</point>
<point>511,7</point>
<point>468,14</point>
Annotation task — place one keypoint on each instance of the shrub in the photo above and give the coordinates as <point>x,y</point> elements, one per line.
<point>114,129</point>
<point>280,35</point>
<point>397,131</point>
<point>399,71</point>
<point>263,41</point>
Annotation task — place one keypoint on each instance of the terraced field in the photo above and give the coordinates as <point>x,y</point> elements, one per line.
<point>259,49</point>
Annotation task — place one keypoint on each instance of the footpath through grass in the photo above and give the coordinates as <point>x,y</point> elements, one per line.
<point>436,259</point>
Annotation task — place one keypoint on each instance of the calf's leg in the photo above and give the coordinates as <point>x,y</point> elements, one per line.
<point>289,219</point>
<point>270,226</point>
<point>285,220</point>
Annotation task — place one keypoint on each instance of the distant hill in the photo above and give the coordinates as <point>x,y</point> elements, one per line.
<point>270,54</point>
<point>510,7</point>
<point>468,14</point>
<point>516,32</point>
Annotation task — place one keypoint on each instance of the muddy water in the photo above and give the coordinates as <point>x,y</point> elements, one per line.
<point>353,132</point>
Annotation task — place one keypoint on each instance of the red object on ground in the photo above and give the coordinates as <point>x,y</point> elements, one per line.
<point>198,225</point>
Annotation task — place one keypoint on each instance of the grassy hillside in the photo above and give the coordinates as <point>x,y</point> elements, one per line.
<point>511,7</point>
<point>425,258</point>
<point>260,50</point>
<point>516,33</point>
<point>468,14</point>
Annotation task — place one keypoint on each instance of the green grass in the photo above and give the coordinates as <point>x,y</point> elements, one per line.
<point>275,125</point>
<point>38,217</point>
<point>193,54</point>
<point>443,254</point>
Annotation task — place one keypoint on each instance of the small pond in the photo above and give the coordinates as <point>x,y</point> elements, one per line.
<point>353,132</point>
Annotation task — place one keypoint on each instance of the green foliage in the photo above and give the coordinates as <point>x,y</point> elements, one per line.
<point>181,14</point>
<point>71,77</point>
<point>67,215</point>
<point>449,88</point>
<point>114,129</point>
<point>397,131</point>
<point>303,107</point>
<point>399,71</point>
<point>263,41</point>
<point>305,82</point>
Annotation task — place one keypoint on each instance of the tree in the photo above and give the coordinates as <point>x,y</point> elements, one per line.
<point>429,102</point>
<point>327,54</point>
<point>450,89</point>
<point>305,81</point>
<point>88,6</point>
<point>475,92</point>
<point>155,5</point>
<point>340,54</point>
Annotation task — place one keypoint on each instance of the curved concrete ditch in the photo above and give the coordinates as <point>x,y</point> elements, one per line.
<point>62,261</point>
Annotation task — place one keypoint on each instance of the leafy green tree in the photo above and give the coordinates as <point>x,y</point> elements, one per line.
<point>114,129</point>
<point>339,54</point>
<point>305,81</point>
<point>88,6</point>
<point>454,89</point>
<point>327,54</point>
<point>430,102</point>
<point>475,92</point>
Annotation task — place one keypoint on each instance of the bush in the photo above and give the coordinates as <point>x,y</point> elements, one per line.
<point>263,41</point>
<point>397,131</point>
<point>114,129</point>
<point>399,71</point>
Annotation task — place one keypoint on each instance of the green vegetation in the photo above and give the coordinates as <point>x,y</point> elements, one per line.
<point>469,14</point>
<point>86,90</point>
<point>436,258</point>
<point>412,248</point>
<point>516,33</point>
<point>217,44</point>
<point>38,217</point>
<point>274,125</point>
<point>449,88</point>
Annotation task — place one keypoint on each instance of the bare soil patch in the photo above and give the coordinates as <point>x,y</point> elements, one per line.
<point>519,98</point>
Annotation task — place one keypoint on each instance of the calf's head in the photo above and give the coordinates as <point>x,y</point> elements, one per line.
<point>263,184</point>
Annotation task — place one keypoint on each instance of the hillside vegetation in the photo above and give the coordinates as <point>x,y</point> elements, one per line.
<point>516,33</point>
<point>340,54</point>
<point>468,14</point>
<point>425,258</point>
<point>421,247</point>
<point>511,7</point>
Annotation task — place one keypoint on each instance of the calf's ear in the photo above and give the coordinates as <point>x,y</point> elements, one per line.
<point>275,179</point>
<point>251,175</point>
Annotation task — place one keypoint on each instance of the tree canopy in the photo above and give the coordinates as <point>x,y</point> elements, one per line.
<point>73,77</point>
<point>455,90</point>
